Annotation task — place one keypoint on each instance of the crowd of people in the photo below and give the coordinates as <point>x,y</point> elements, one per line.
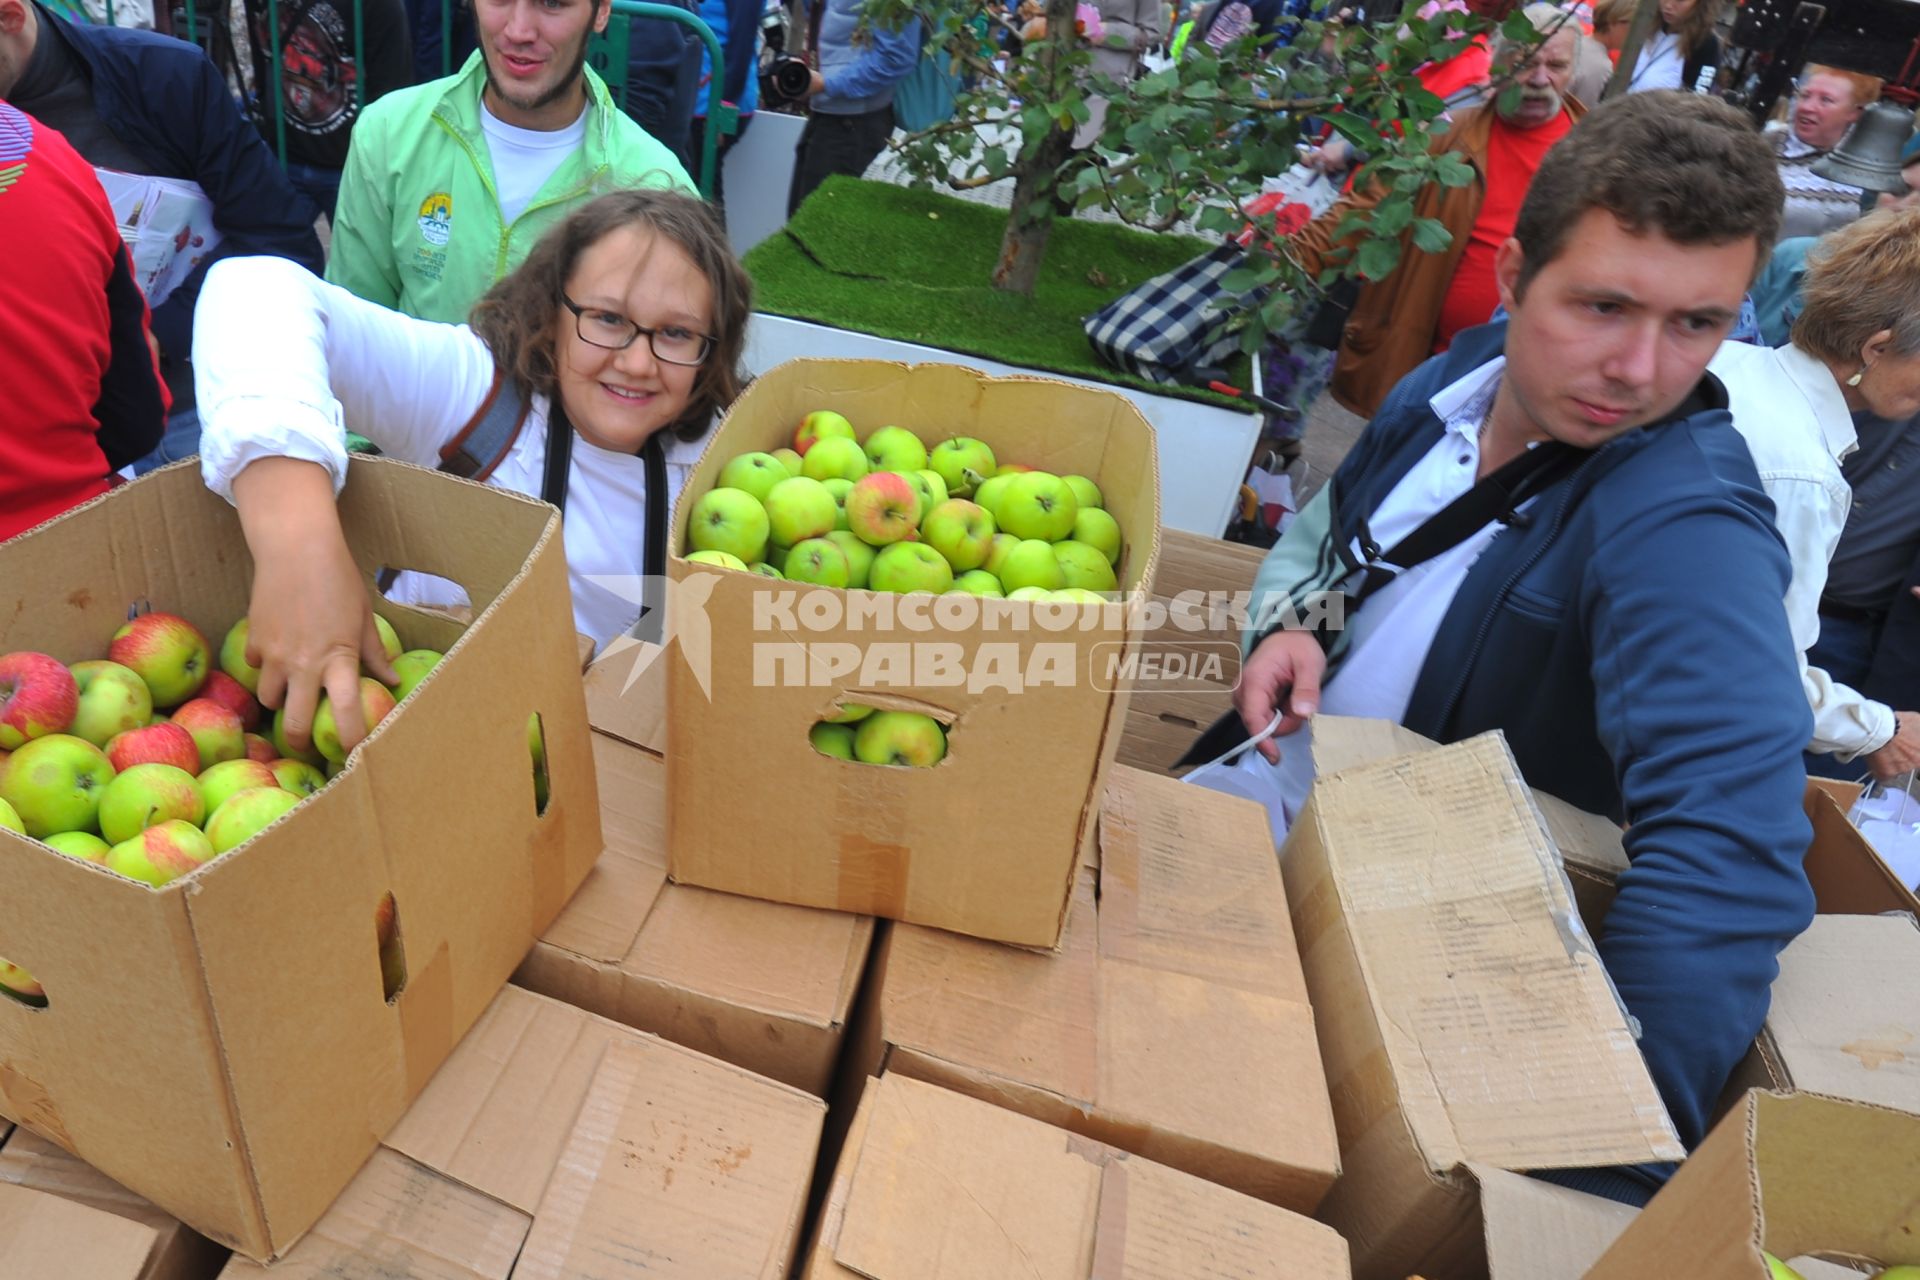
<point>1631,490</point>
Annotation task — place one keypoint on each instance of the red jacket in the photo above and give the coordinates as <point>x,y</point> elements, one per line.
<point>83,394</point>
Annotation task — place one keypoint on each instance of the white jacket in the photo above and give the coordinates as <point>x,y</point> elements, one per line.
<point>285,364</point>
<point>1798,428</point>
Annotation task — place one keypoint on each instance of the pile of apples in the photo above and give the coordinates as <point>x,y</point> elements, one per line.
<point>868,735</point>
<point>146,762</point>
<point>893,515</point>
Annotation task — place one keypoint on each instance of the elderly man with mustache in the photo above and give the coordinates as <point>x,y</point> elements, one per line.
<point>1414,312</point>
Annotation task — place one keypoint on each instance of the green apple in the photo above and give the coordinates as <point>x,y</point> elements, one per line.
<point>389,639</point>
<point>900,738</point>
<point>832,740</point>
<point>1012,469</point>
<point>233,658</point>
<point>1077,595</point>
<point>167,652</point>
<point>922,489</point>
<point>788,459</point>
<point>1085,491</point>
<point>537,752</point>
<point>936,485</point>
<point>227,779</point>
<point>1003,545</point>
<point>883,508</point>
<point>9,820</point>
<point>246,813</point>
<point>1030,564</point>
<point>895,449</point>
<point>979,582</point>
<point>754,473</point>
<point>162,853</point>
<point>839,487</point>
<point>147,795</point>
<point>766,570</point>
<point>1029,593</point>
<point>987,492</point>
<point>296,776</point>
<point>1779,1270</point>
<point>1084,566</point>
<point>376,700</point>
<point>215,730</point>
<point>1036,505</point>
<point>83,845</point>
<point>834,457</point>
<point>1098,530</point>
<point>112,700</point>
<point>849,713</point>
<point>278,737</point>
<point>38,696</point>
<point>21,985</point>
<point>962,463</point>
<point>961,531</point>
<point>820,562</point>
<point>859,556</point>
<point>910,566</point>
<point>729,520</point>
<point>821,424</point>
<point>800,508</point>
<point>718,559</point>
<point>54,784</point>
<point>412,667</point>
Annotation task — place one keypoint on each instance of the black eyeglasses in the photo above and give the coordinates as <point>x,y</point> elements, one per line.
<point>614,332</point>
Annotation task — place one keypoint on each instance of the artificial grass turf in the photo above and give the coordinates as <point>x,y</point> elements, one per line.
<point>917,266</point>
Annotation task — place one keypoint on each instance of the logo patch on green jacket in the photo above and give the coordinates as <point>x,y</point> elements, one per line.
<point>436,218</point>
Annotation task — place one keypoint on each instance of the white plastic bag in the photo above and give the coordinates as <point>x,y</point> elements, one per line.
<point>1250,777</point>
<point>1889,818</point>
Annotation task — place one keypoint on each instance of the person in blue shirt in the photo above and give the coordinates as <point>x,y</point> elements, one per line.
<point>851,98</point>
<point>736,24</point>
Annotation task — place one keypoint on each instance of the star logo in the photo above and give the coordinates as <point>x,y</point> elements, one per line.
<point>686,624</point>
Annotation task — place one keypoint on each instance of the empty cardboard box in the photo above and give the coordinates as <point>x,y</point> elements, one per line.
<point>1794,1175</point>
<point>555,1145</point>
<point>1463,1011</point>
<point>986,841</point>
<point>1538,1231</point>
<point>47,1238</point>
<point>253,987</point>
<point>1173,1023</point>
<point>933,1185</point>
<point>763,985</point>
<point>177,1251</point>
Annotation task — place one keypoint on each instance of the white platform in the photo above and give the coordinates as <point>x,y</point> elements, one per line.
<point>1204,449</point>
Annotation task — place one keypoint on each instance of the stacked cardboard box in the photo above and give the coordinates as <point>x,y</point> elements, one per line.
<point>557,1144</point>
<point>1172,1024</point>
<point>252,987</point>
<point>933,1185</point>
<point>763,985</point>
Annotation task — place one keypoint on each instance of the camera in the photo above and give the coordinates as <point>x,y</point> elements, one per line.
<point>784,80</point>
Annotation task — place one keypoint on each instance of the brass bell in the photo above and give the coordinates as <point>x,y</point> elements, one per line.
<point>1869,156</point>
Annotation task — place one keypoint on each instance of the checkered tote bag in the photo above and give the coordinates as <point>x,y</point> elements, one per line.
<point>1170,325</point>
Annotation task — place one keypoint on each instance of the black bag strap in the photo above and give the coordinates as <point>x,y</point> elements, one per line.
<point>653,553</point>
<point>482,444</point>
<point>1498,496</point>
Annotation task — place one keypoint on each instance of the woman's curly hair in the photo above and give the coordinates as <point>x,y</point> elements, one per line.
<point>515,318</point>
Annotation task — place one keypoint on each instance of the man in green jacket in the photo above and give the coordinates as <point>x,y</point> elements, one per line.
<point>448,184</point>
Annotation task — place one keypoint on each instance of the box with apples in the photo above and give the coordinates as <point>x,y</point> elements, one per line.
<point>285,961</point>
<point>972,618</point>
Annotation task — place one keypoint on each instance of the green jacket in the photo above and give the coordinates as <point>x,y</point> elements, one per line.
<point>419,227</point>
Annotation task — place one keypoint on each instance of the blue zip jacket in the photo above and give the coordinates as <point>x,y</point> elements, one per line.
<point>164,99</point>
<point>1631,642</point>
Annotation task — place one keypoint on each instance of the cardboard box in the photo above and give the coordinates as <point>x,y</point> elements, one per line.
<point>936,1186</point>
<point>1463,1011</point>
<point>47,1238</point>
<point>1793,1175</point>
<point>177,1252</point>
<point>1535,1230</point>
<point>252,987</point>
<point>763,985</point>
<point>1844,1021</point>
<point>557,1144</point>
<point>1033,721</point>
<point>1173,1023</point>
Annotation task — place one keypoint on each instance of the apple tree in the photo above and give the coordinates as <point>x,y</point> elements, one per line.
<point>1194,140</point>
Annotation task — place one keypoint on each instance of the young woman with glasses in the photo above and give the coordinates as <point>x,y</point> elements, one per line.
<point>617,338</point>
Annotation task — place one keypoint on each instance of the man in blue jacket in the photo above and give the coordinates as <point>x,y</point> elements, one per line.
<point>850,102</point>
<point>1618,613</point>
<point>147,104</point>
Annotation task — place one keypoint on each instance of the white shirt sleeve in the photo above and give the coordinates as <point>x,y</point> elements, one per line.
<point>285,364</point>
<point>1810,518</point>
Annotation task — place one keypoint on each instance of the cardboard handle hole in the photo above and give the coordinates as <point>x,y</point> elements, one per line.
<point>393,952</point>
<point>422,590</point>
<point>886,738</point>
<point>20,987</point>
<point>537,751</point>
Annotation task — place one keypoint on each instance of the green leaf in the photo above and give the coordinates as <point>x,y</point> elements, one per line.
<point>1452,171</point>
<point>1431,235</point>
<point>1355,130</point>
<point>1391,216</point>
<point>1239,280</point>
<point>1378,258</point>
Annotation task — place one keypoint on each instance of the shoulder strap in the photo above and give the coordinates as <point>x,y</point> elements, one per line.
<point>653,614</point>
<point>482,444</point>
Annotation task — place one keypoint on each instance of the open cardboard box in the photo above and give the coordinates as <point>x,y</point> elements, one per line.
<point>252,987</point>
<point>933,1185</point>
<point>1172,1024</point>
<point>555,1145</point>
<point>1464,1015</point>
<point>177,1251</point>
<point>1791,1174</point>
<point>985,842</point>
<point>763,985</point>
